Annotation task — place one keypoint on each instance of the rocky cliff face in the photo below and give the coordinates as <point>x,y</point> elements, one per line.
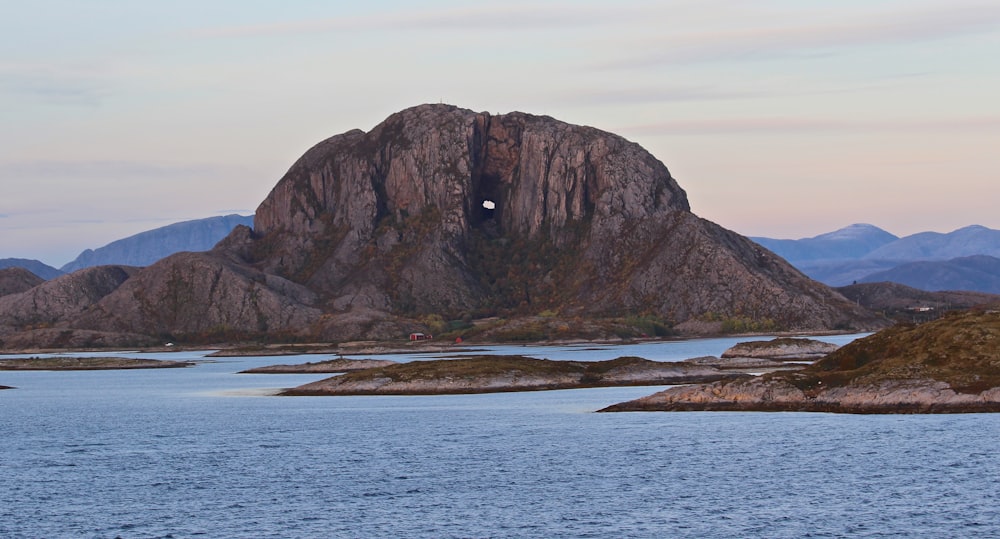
<point>582,221</point>
<point>444,213</point>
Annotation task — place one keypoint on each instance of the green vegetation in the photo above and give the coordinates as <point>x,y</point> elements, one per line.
<point>467,367</point>
<point>517,272</point>
<point>961,348</point>
<point>731,324</point>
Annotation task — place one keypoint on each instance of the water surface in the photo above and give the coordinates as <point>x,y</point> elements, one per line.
<point>204,452</point>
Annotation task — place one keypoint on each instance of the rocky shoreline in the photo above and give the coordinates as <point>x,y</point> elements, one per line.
<point>951,365</point>
<point>86,364</point>
<point>913,396</point>
<point>490,374</point>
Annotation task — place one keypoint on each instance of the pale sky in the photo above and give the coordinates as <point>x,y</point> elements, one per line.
<point>779,118</point>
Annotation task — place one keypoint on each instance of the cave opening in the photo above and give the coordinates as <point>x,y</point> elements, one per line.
<point>487,205</point>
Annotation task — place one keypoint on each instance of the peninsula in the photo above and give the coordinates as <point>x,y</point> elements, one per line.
<point>949,365</point>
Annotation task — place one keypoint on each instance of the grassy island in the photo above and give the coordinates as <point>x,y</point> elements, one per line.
<point>60,363</point>
<point>487,374</point>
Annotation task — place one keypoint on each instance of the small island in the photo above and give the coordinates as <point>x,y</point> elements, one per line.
<point>491,374</point>
<point>950,365</point>
<point>60,363</point>
<point>329,366</point>
<point>765,356</point>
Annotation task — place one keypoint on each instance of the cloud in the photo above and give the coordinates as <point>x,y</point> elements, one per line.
<point>506,17</point>
<point>864,29</point>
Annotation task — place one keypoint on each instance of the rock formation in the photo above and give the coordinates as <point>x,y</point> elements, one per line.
<point>583,222</point>
<point>444,213</point>
<point>62,298</point>
<point>782,349</point>
<point>948,365</point>
<point>14,280</point>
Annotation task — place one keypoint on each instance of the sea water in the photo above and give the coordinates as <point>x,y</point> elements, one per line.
<point>204,451</point>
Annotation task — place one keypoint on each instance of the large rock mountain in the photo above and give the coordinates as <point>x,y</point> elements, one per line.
<point>444,213</point>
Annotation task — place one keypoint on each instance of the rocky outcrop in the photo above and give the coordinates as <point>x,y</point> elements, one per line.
<point>15,280</point>
<point>946,366</point>
<point>739,363</point>
<point>584,222</point>
<point>490,374</point>
<point>782,349</point>
<point>200,296</point>
<point>60,299</point>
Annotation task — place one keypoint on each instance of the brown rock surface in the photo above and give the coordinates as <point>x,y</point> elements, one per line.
<point>62,298</point>
<point>782,349</point>
<point>15,280</point>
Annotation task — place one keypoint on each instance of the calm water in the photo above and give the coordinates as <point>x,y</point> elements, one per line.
<point>202,452</point>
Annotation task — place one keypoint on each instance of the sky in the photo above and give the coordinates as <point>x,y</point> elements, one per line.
<point>784,119</point>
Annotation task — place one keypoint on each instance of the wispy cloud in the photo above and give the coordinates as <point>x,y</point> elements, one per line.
<point>52,86</point>
<point>125,170</point>
<point>862,29</point>
<point>780,125</point>
<point>665,94</point>
<point>493,17</point>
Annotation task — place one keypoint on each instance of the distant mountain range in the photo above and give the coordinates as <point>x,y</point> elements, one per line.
<point>144,248</point>
<point>849,243</point>
<point>965,259</point>
<point>40,269</point>
<point>147,247</point>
